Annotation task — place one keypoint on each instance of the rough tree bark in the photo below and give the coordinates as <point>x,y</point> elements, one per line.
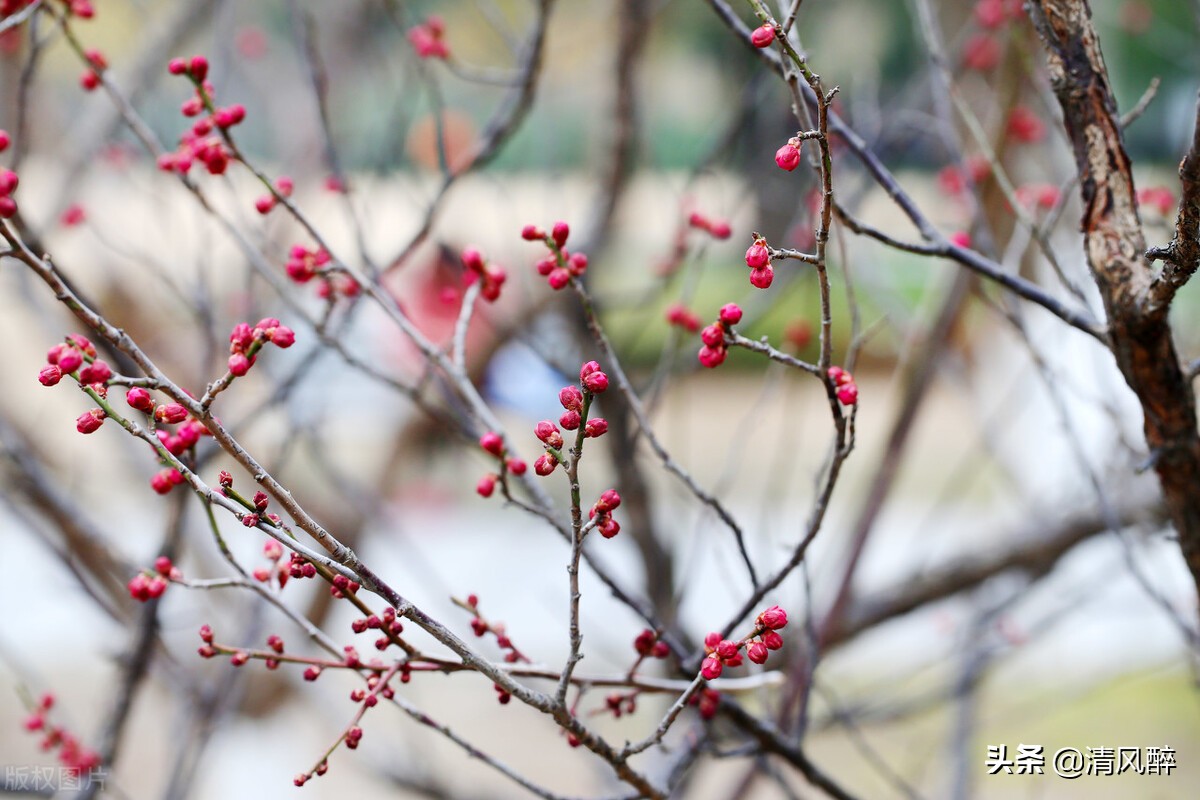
<point>1136,300</point>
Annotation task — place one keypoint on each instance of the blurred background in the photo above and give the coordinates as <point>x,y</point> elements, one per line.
<point>993,568</point>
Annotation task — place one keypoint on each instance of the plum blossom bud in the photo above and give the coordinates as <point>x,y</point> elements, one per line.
<point>139,399</point>
<point>571,398</point>
<point>595,428</point>
<point>570,420</point>
<point>773,618</point>
<point>532,233</point>
<point>762,36</point>
<point>727,649</point>
<point>757,652</point>
<point>772,640</point>
<point>560,232</point>
<point>545,464</point>
<point>730,314</point>
<point>763,277</point>
<point>757,255</point>
<point>239,365</point>
<point>593,378</point>
<point>608,527</point>
<point>711,357</point>
<point>548,433</point>
<point>516,466</point>
<point>847,394</point>
<point>486,485</point>
<point>712,668</point>
<point>492,443</point>
<point>50,375</point>
<point>170,413</point>
<point>283,337</point>
<point>69,360</point>
<point>90,421</point>
<point>224,479</point>
<point>787,157</point>
<point>608,501</point>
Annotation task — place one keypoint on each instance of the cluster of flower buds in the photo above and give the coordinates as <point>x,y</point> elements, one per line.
<point>147,585</point>
<point>303,264</point>
<point>428,38</point>
<point>982,50</point>
<point>560,265</point>
<point>493,444</point>
<point>844,385</point>
<point>787,158</point>
<point>758,259</point>
<point>8,182</point>
<point>481,627</point>
<point>284,186</point>
<point>273,552</point>
<point>386,623</point>
<point>681,316</point>
<point>717,228</point>
<point>648,645</point>
<point>245,342</point>
<point>601,512</point>
<point>763,35</point>
<point>77,353</point>
<point>728,652</point>
<point>712,353</point>
<point>74,757</point>
<point>575,401</point>
<point>301,567</point>
<point>491,275</point>
<point>97,63</point>
<point>199,142</point>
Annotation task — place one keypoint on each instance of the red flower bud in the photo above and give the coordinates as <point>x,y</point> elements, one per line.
<point>762,36</point>
<point>492,443</point>
<point>139,399</point>
<point>170,413</point>
<point>757,255</point>
<point>90,421</point>
<point>712,668</point>
<point>757,652</point>
<point>773,618</point>
<point>730,314</point>
<point>595,428</point>
<point>788,157</point>
<point>50,375</point>
<point>560,232</point>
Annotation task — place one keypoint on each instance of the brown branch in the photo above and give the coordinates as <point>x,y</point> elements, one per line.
<point>1181,257</point>
<point>1140,334</point>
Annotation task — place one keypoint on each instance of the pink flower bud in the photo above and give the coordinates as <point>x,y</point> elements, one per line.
<point>139,399</point>
<point>712,640</point>
<point>155,586</point>
<point>239,365</point>
<point>90,421</point>
<point>570,420</point>
<point>516,466</point>
<point>847,394</point>
<point>492,443</point>
<point>757,255</point>
<point>713,336</point>
<point>595,382</point>
<point>241,337</point>
<point>532,233</point>
<point>486,485</point>
<point>608,527</point>
<point>762,36</point>
<point>577,264</point>
<point>773,618</point>
<point>50,375</point>
<point>198,68</point>
<point>762,278</point>
<point>730,314</point>
<point>560,232</point>
<point>772,640</point>
<point>224,479</point>
<point>161,482</point>
<point>283,337</point>
<point>711,357</point>
<point>788,157</point>
<point>727,649</point>
<point>545,464</point>
<point>548,433</point>
<point>757,652</point>
<point>608,501</point>
<point>264,204</point>
<point>712,668</point>
<point>96,372</point>
<point>558,278</point>
<point>472,259</point>
<point>139,587</point>
<point>595,428</point>
<point>69,360</point>
<point>571,398</point>
<point>170,413</point>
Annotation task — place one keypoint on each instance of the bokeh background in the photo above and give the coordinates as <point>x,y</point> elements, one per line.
<point>1023,432</point>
